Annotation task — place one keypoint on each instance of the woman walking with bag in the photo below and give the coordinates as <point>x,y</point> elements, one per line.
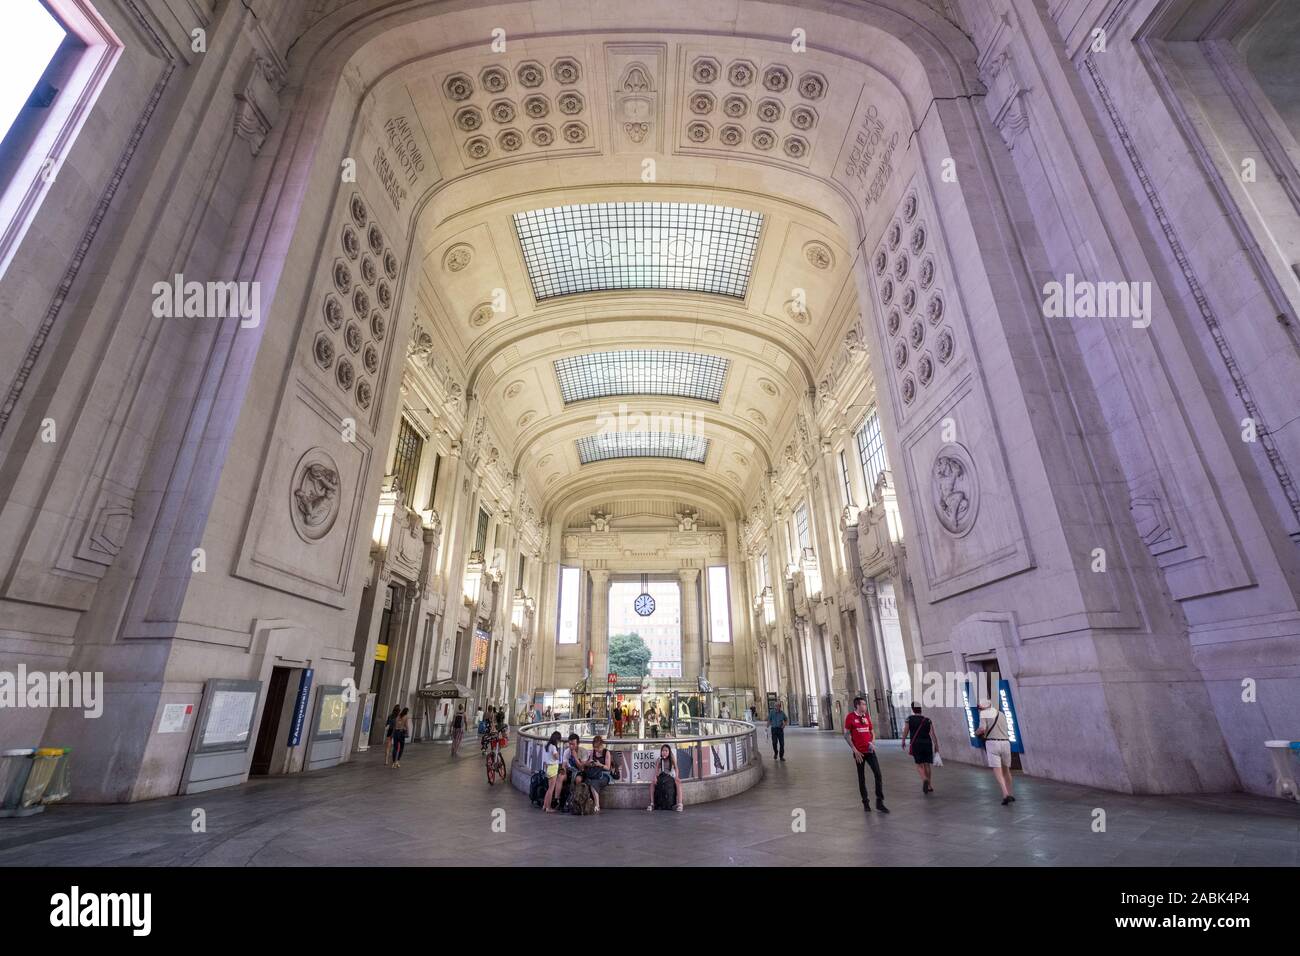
<point>924,745</point>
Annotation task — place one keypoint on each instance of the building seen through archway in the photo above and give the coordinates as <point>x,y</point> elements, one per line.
<point>371,358</point>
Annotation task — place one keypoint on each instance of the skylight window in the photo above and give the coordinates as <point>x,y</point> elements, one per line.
<point>597,247</point>
<point>642,445</point>
<point>641,372</point>
<point>28,42</point>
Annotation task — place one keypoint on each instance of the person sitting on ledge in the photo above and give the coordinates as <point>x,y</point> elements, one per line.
<point>666,767</point>
<point>598,770</point>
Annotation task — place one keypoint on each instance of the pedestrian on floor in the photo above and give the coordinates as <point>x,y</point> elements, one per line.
<point>551,764</point>
<point>457,729</point>
<point>724,713</point>
<point>924,745</point>
<point>388,732</point>
<point>501,718</point>
<point>997,747</point>
<point>618,721</point>
<point>776,721</point>
<point>401,728</point>
<point>857,731</point>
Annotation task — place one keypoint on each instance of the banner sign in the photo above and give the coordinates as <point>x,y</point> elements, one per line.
<point>1009,715</point>
<point>300,707</point>
<point>972,716</point>
<point>643,765</point>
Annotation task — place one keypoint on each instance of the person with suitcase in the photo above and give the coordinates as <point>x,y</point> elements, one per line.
<point>666,791</point>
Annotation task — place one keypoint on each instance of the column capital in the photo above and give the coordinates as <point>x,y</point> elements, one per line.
<point>598,575</point>
<point>688,575</point>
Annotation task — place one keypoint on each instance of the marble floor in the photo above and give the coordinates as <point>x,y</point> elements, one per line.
<point>438,811</point>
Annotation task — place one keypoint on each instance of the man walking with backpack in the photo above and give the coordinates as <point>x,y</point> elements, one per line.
<point>857,731</point>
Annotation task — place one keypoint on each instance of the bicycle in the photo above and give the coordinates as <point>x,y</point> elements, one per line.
<point>496,764</point>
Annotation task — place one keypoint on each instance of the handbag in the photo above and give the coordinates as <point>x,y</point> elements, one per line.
<point>938,760</point>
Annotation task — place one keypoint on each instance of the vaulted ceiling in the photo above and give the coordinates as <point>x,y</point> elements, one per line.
<point>663,193</point>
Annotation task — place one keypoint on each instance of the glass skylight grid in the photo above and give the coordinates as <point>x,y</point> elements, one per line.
<point>596,247</point>
<point>685,447</point>
<point>641,372</point>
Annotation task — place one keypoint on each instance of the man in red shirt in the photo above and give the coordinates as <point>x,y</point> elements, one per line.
<point>857,731</point>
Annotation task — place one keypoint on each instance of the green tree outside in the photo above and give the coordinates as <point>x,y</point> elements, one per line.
<point>629,656</point>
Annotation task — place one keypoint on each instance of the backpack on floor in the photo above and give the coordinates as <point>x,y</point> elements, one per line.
<point>665,792</point>
<point>581,800</point>
<point>537,788</point>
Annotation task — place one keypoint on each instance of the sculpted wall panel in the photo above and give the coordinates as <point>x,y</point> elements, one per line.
<point>969,518</point>
<point>304,524</point>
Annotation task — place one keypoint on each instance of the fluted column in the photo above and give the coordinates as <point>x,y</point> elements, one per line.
<point>692,639</point>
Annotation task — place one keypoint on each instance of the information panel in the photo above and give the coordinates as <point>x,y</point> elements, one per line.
<point>333,712</point>
<point>228,715</point>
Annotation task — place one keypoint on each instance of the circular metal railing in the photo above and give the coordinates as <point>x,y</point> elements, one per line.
<point>705,747</point>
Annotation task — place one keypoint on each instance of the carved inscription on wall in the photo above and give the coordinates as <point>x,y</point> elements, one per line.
<point>870,161</point>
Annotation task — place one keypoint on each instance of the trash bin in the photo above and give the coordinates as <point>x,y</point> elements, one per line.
<point>60,784</point>
<point>1286,759</point>
<point>15,768</point>
<point>44,762</point>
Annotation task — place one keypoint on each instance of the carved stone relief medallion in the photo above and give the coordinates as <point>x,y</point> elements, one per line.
<point>314,495</point>
<point>954,489</point>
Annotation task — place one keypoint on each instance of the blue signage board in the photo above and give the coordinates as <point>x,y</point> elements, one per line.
<point>972,717</point>
<point>300,707</point>
<point>1009,715</point>
<point>367,715</point>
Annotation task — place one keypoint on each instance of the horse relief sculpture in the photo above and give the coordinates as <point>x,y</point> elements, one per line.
<point>315,495</point>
